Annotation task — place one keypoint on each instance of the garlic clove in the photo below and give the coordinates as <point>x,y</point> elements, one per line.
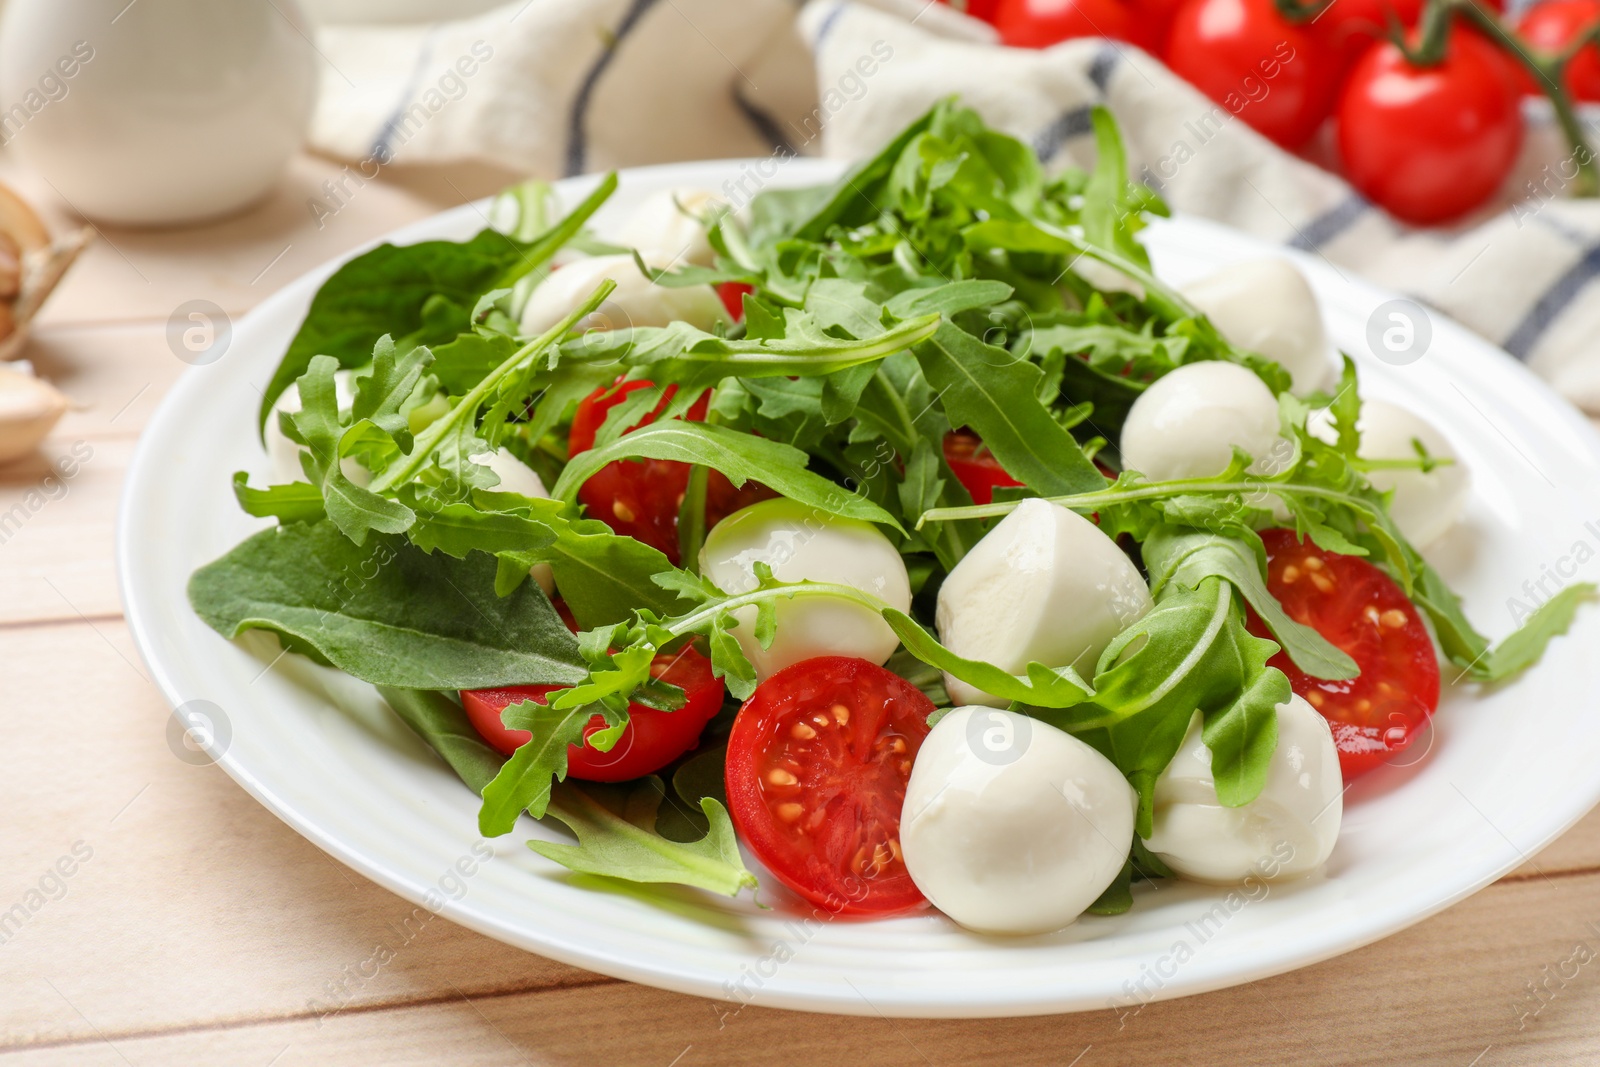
<point>29,408</point>
<point>31,266</point>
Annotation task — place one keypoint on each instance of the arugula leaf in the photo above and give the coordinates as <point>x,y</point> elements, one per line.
<point>740,457</point>
<point>996,394</point>
<point>1523,647</point>
<point>1113,206</point>
<point>386,612</point>
<point>617,838</point>
<point>524,782</point>
<point>353,508</point>
<point>294,502</point>
<point>1189,556</point>
<point>1191,652</point>
<point>1043,687</point>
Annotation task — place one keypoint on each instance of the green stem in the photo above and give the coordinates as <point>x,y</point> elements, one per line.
<point>467,407</point>
<point>1099,498</point>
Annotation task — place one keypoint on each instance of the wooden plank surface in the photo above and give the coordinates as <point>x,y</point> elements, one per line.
<point>195,928</point>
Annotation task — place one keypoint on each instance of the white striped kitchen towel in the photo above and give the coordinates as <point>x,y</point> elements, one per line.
<point>557,88</point>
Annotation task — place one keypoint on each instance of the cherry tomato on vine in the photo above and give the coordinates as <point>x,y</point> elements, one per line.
<point>640,498</point>
<point>1157,17</point>
<point>1361,610</point>
<point>651,740</point>
<point>818,762</point>
<point>1276,75</point>
<point>1549,27</point>
<point>1428,144</point>
<point>1350,27</point>
<point>1042,23</point>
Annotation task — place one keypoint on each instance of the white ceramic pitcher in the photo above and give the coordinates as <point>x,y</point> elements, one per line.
<point>156,112</point>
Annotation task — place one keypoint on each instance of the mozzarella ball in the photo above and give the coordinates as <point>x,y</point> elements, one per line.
<point>1286,832</point>
<point>666,227</point>
<point>1045,585</point>
<point>801,543</point>
<point>1424,505</point>
<point>517,477</point>
<point>1265,306</point>
<point>284,454</point>
<point>1187,424</point>
<point>636,301</point>
<point>1011,826</point>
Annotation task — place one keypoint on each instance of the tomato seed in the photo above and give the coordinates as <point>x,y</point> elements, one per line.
<point>802,732</point>
<point>1394,618</point>
<point>841,714</point>
<point>1323,584</point>
<point>1312,563</point>
<point>1291,574</point>
<point>622,511</point>
<point>790,812</point>
<point>1316,698</point>
<point>780,777</point>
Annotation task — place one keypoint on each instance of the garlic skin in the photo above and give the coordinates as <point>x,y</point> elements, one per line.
<point>29,409</point>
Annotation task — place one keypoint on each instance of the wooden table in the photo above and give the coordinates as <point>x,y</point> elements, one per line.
<point>196,928</point>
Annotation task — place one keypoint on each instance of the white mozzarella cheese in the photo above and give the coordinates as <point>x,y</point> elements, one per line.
<point>1286,832</point>
<point>1424,505</point>
<point>667,227</point>
<point>284,454</point>
<point>517,477</point>
<point>636,301</point>
<point>1187,424</point>
<point>801,543</point>
<point>1011,826</point>
<point>1265,306</point>
<point>1044,585</point>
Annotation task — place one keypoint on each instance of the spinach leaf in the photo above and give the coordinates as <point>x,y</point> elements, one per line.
<point>386,612</point>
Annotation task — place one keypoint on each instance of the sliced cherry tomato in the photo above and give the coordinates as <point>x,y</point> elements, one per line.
<point>651,740</point>
<point>1042,23</point>
<point>1276,75</point>
<point>1429,144</point>
<point>732,294</point>
<point>974,466</point>
<point>640,498</point>
<point>1549,27</point>
<point>1361,610</point>
<point>1350,27</point>
<point>818,762</point>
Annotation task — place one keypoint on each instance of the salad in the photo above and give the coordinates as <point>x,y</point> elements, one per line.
<point>908,532</point>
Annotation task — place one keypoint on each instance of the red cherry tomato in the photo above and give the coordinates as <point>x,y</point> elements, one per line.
<point>1157,17</point>
<point>1430,143</point>
<point>651,740</point>
<point>1350,27</point>
<point>1042,23</point>
<point>818,762</point>
<point>732,294</point>
<point>1276,75</point>
<point>640,498</point>
<point>974,466</point>
<point>1549,27</point>
<point>1361,610</point>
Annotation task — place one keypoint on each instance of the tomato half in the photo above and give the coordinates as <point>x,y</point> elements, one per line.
<point>651,740</point>
<point>639,498</point>
<point>1361,610</point>
<point>732,296</point>
<point>1549,27</point>
<point>974,466</point>
<point>1042,23</point>
<point>818,762</point>
<point>1428,144</point>
<point>1276,75</point>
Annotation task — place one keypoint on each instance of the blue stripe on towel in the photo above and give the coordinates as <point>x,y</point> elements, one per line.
<point>1105,61</point>
<point>828,22</point>
<point>1074,123</point>
<point>577,135</point>
<point>382,149</point>
<point>1330,224</point>
<point>1521,341</point>
<point>765,125</point>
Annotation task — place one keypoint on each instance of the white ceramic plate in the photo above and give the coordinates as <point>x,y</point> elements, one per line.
<point>1508,771</point>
